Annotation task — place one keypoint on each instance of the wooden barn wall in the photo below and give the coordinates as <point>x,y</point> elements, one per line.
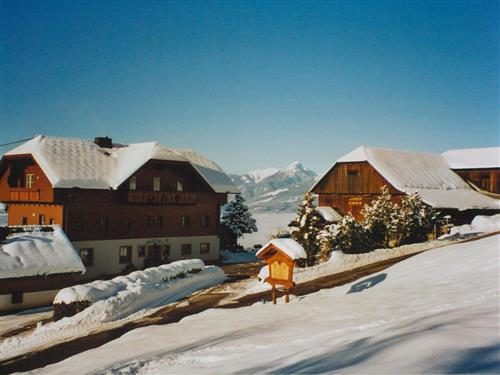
<point>338,181</point>
<point>486,179</point>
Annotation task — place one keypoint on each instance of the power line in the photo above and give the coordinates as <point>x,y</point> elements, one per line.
<point>12,143</point>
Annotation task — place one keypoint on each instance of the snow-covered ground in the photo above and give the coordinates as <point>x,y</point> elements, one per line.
<point>436,312</point>
<point>134,301</point>
<point>13,321</point>
<point>267,224</point>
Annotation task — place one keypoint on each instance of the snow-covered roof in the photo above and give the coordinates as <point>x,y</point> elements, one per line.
<point>80,163</point>
<point>424,173</point>
<point>471,158</point>
<point>328,213</point>
<point>288,246</point>
<point>38,253</point>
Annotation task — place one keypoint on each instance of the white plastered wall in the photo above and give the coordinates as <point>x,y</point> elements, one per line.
<point>30,300</point>
<point>106,252</point>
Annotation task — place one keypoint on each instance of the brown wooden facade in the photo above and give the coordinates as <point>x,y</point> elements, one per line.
<point>92,214</point>
<point>487,179</point>
<point>347,187</point>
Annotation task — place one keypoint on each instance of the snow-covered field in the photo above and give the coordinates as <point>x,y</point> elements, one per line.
<point>113,305</point>
<point>267,224</point>
<point>436,312</point>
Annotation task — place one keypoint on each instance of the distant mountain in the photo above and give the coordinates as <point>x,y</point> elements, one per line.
<point>275,190</point>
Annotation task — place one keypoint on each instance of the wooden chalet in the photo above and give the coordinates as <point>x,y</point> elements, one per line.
<point>356,179</point>
<point>480,167</point>
<point>35,263</point>
<point>122,206</point>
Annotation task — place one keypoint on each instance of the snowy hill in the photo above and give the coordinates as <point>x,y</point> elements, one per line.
<point>274,190</point>
<point>432,313</point>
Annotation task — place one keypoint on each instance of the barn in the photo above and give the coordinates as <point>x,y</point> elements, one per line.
<point>480,167</point>
<point>357,177</point>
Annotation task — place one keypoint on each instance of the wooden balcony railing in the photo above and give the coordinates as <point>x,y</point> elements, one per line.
<point>24,195</point>
<point>161,197</point>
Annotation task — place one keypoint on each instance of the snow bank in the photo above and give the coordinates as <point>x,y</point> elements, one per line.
<point>479,224</point>
<point>287,245</point>
<point>38,253</point>
<point>102,289</point>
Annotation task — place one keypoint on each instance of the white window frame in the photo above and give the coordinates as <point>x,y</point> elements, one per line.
<point>29,180</point>
<point>133,183</point>
<point>156,183</point>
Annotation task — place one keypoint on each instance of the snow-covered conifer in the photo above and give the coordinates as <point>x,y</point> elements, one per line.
<point>236,221</point>
<point>306,227</point>
<point>415,220</point>
<point>351,236</point>
<point>380,219</point>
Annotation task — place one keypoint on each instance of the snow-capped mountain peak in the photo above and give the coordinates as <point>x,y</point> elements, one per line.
<point>261,174</point>
<point>271,189</point>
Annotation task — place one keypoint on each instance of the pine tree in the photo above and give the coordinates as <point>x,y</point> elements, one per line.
<point>379,219</point>
<point>415,220</point>
<point>306,227</point>
<point>350,236</point>
<point>235,222</point>
<point>325,237</point>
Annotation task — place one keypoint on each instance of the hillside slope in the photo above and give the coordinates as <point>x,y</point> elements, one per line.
<point>436,312</point>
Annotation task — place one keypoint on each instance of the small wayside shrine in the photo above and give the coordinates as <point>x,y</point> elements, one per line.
<point>280,254</point>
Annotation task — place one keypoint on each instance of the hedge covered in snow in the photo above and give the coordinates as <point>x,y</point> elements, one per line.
<point>74,299</point>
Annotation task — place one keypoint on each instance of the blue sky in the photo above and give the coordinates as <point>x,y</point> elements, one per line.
<point>254,84</point>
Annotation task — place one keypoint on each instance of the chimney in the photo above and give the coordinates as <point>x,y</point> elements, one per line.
<point>104,142</point>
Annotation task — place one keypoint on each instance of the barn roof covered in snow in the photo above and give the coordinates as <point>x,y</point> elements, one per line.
<point>38,253</point>
<point>328,214</point>
<point>427,174</point>
<point>80,163</point>
<point>289,246</point>
<point>473,158</point>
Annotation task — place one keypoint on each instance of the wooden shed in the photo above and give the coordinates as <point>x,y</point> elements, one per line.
<point>280,254</point>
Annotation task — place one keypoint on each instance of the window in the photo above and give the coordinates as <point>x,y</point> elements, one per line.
<point>29,181</point>
<point>132,185</point>
<point>141,251</point>
<point>16,298</point>
<point>52,221</point>
<point>103,223</point>
<point>24,221</point>
<point>165,251</point>
<point>156,183</point>
<point>186,249</point>
<point>126,223</point>
<point>157,221</point>
<point>352,173</point>
<point>146,221</point>
<point>204,248</point>
<point>205,220</point>
<point>41,219</point>
<point>180,185</point>
<point>79,223</point>
<point>185,221</point>
<point>87,256</point>
<point>125,254</point>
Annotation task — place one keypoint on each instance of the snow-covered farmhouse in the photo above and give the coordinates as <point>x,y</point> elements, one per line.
<point>480,167</point>
<point>34,264</point>
<point>356,179</point>
<point>122,206</point>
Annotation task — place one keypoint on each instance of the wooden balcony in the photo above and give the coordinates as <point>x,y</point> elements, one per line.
<point>24,195</point>
<point>162,197</point>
